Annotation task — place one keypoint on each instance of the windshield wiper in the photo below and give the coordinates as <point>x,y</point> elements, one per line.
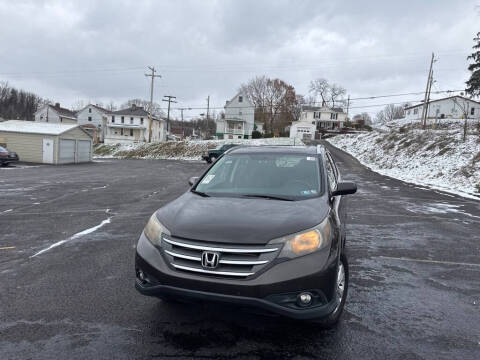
<point>271,197</point>
<point>201,193</point>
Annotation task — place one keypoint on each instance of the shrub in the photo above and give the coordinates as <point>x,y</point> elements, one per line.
<point>256,134</point>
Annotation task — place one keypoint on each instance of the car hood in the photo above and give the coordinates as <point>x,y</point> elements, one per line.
<point>239,220</point>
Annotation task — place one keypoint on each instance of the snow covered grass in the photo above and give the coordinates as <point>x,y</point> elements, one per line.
<point>179,150</point>
<point>438,158</point>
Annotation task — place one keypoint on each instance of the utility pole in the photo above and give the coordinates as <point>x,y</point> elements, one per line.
<point>153,76</point>
<point>348,105</point>
<point>208,108</point>
<point>181,111</point>
<point>427,94</point>
<point>169,100</point>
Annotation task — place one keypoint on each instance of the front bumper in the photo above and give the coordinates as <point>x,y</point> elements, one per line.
<point>274,290</point>
<point>5,160</point>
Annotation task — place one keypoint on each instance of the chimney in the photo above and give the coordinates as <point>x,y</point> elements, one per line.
<point>134,106</point>
<point>57,105</point>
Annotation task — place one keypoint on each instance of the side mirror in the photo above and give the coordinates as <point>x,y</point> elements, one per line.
<point>345,188</point>
<point>192,180</point>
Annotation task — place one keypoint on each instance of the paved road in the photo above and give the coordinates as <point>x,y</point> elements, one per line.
<point>415,273</point>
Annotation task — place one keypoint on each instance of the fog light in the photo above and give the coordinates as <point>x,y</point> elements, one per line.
<point>141,275</point>
<point>305,299</point>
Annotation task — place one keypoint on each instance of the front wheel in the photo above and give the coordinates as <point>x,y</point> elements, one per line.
<point>341,289</point>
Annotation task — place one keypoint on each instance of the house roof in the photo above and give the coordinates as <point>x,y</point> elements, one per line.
<point>63,112</point>
<point>442,99</point>
<point>99,108</point>
<point>32,127</point>
<point>237,94</point>
<point>320,108</point>
<point>133,111</point>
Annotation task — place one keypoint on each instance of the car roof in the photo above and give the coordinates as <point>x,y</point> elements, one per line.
<point>307,150</point>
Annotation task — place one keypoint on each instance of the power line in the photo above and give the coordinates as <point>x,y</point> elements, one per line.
<point>351,99</point>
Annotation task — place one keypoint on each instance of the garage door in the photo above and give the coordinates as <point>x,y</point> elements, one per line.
<point>67,151</point>
<point>84,149</point>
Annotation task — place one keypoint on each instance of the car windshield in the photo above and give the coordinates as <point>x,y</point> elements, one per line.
<point>274,175</point>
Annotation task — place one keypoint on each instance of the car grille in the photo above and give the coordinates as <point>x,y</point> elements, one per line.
<point>234,261</point>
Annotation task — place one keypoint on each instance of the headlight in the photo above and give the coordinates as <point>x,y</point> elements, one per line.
<point>305,242</point>
<point>154,230</point>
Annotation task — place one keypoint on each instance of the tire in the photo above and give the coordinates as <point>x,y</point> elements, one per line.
<point>332,319</point>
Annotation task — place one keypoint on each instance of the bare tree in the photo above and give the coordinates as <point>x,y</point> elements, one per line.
<point>274,101</point>
<point>321,87</point>
<point>389,113</point>
<point>330,94</point>
<point>337,93</point>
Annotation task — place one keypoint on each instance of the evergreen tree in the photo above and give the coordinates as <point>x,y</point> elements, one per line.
<point>473,84</point>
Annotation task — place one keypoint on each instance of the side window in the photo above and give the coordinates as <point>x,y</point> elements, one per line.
<point>332,179</point>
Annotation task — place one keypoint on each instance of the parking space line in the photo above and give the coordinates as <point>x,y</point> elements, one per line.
<point>430,261</point>
<point>7,248</point>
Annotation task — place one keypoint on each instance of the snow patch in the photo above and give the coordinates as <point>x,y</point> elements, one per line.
<point>433,158</point>
<point>73,237</point>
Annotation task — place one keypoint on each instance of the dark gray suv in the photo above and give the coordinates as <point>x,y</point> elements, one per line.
<point>263,227</point>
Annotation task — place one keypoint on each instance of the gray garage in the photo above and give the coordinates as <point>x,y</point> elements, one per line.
<point>47,143</point>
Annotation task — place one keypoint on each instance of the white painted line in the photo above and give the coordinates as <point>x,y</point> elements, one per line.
<point>7,210</point>
<point>75,236</point>
<point>430,261</point>
<point>7,248</point>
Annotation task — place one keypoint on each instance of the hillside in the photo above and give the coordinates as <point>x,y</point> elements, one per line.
<point>178,150</point>
<point>436,157</point>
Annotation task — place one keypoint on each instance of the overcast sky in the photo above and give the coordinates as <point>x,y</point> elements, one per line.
<point>98,51</point>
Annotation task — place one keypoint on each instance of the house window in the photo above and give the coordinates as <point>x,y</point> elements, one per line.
<point>472,111</point>
<point>121,131</point>
<point>240,112</point>
<point>89,118</point>
<point>408,112</point>
<point>240,99</point>
<point>131,120</point>
<point>123,120</point>
<point>113,119</point>
<point>131,132</point>
<point>141,121</point>
<point>415,111</point>
<point>90,110</point>
<point>333,116</point>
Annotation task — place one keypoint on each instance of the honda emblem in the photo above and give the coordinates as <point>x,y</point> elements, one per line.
<point>210,259</point>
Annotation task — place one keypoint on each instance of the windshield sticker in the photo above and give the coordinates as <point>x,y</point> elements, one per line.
<point>207,179</point>
<point>310,158</point>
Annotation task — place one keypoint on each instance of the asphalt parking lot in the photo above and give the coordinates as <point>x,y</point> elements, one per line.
<point>67,236</point>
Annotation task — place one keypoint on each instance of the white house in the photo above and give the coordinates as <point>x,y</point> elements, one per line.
<point>239,119</point>
<point>453,107</point>
<point>317,118</point>
<point>93,116</point>
<point>55,114</point>
<point>131,125</point>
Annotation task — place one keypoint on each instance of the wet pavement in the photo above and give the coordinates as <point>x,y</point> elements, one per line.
<point>414,273</point>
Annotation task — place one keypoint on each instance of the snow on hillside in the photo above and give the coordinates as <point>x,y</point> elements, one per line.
<point>438,158</point>
<point>179,150</point>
